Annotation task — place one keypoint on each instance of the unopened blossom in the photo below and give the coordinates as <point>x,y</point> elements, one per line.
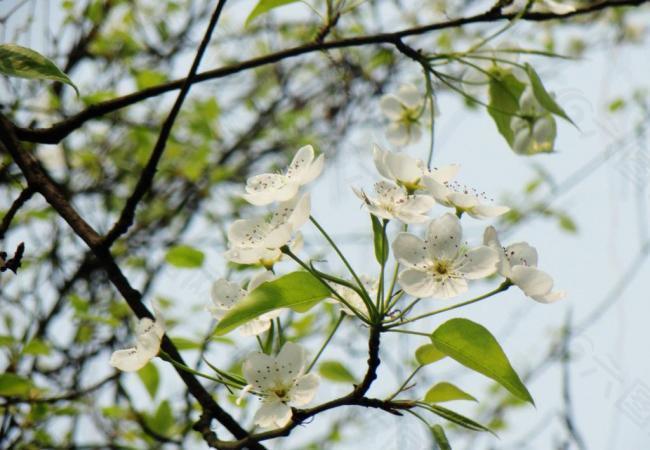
<point>394,202</point>
<point>542,6</point>
<point>258,240</point>
<point>403,110</point>
<point>518,263</point>
<point>148,335</point>
<point>462,198</point>
<point>407,171</point>
<point>271,187</point>
<point>226,294</point>
<point>440,265</point>
<point>281,382</point>
<point>535,131</point>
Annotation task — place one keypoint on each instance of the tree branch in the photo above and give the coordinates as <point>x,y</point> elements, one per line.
<point>59,131</point>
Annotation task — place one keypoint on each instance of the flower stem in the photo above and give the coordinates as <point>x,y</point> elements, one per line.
<point>183,367</point>
<point>502,287</point>
<point>327,341</point>
<point>406,382</point>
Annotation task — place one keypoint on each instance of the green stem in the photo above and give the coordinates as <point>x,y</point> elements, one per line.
<point>406,382</point>
<point>327,341</point>
<point>183,367</point>
<point>366,298</point>
<point>415,333</point>
<point>380,289</point>
<point>502,287</point>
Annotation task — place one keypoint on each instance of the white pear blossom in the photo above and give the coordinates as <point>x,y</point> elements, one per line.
<point>440,265</point>
<point>258,240</point>
<point>281,382</point>
<point>407,171</point>
<point>394,202</point>
<point>518,263</point>
<point>350,295</point>
<point>463,198</point>
<point>226,294</point>
<point>271,187</point>
<point>148,335</point>
<point>404,110</point>
<point>543,6</point>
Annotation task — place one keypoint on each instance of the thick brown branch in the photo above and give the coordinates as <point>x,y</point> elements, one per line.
<point>59,131</point>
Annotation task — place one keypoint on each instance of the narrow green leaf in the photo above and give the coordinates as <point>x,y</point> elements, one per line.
<point>163,419</point>
<point>458,419</point>
<point>473,346</point>
<point>381,247</point>
<point>22,62</point>
<point>12,385</point>
<point>428,354</point>
<point>440,437</point>
<point>543,97</point>
<point>297,290</point>
<point>36,347</point>
<point>183,343</point>
<point>264,6</point>
<point>504,91</point>
<point>150,379</point>
<point>335,371</point>
<point>446,392</point>
<point>185,257</point>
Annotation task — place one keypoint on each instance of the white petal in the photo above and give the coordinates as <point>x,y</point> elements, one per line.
<point>553,7</point>
<point>415,133</point>
<point>403,168</point>
<point>277,237</point>
<point>266,188</point>
<point>462,200</point>
<point>248,233</point>
<point>478,263</point>
<point>535,283</point>
<point>438,190</point>
<point>379,157</point>
<point>260,278</point>
<point>258,370</point>
<point>314,170</point>
<point>301,163</point>
<point>254,327</point>
<point>487,211</point>
<point>304,390</point>
<point>225,293</point>
<point>290,362</point>
<point>398,134</point>
<point>521,254</point>
<point>129,360</point>
<point>445,174</point>
<point>391,106</point>
<point>449,288</point>
<point>273,413</point>
<point>444,235</point>
<point>417,283</point>
<point>411,251</point>
<point>491,239</point>
<point>252,255</point>
<point>300,213</point>
<point>409,95</point>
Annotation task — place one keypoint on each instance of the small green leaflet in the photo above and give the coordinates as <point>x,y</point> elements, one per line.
<point>381,244</point>
<point>150,379</point>
<point>504,92</point>
<point>184,257</point>
<point>335,371</point>
<point>22,62</point>
<point>458,419</point>
<point>473,346</point>
<point>428,354</point>
<point>264,6</point>
<point>440,437</point>
<point>12,385</point>
<point>543,97</point>
<point>299,291</point>
<point>446,392</point>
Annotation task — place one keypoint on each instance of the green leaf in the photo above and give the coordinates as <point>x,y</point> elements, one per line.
<point>458,419</point>
<point>335,371</point>
<point>150,378</point>
<point>185,257</point>
<point>380,241</point>
<point>446,392</point>
<point>163,419</point>
<point>183,343</point>
<point>264,6</point>
<point>36,347</point>
<point>428,354</point>
<point>473,346</point>
<point>440,437</point>
<point>504,91</point>
<point>543,97</point>
<point>12,385</point>
<point>298,290</point>
<point>17,61</point>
